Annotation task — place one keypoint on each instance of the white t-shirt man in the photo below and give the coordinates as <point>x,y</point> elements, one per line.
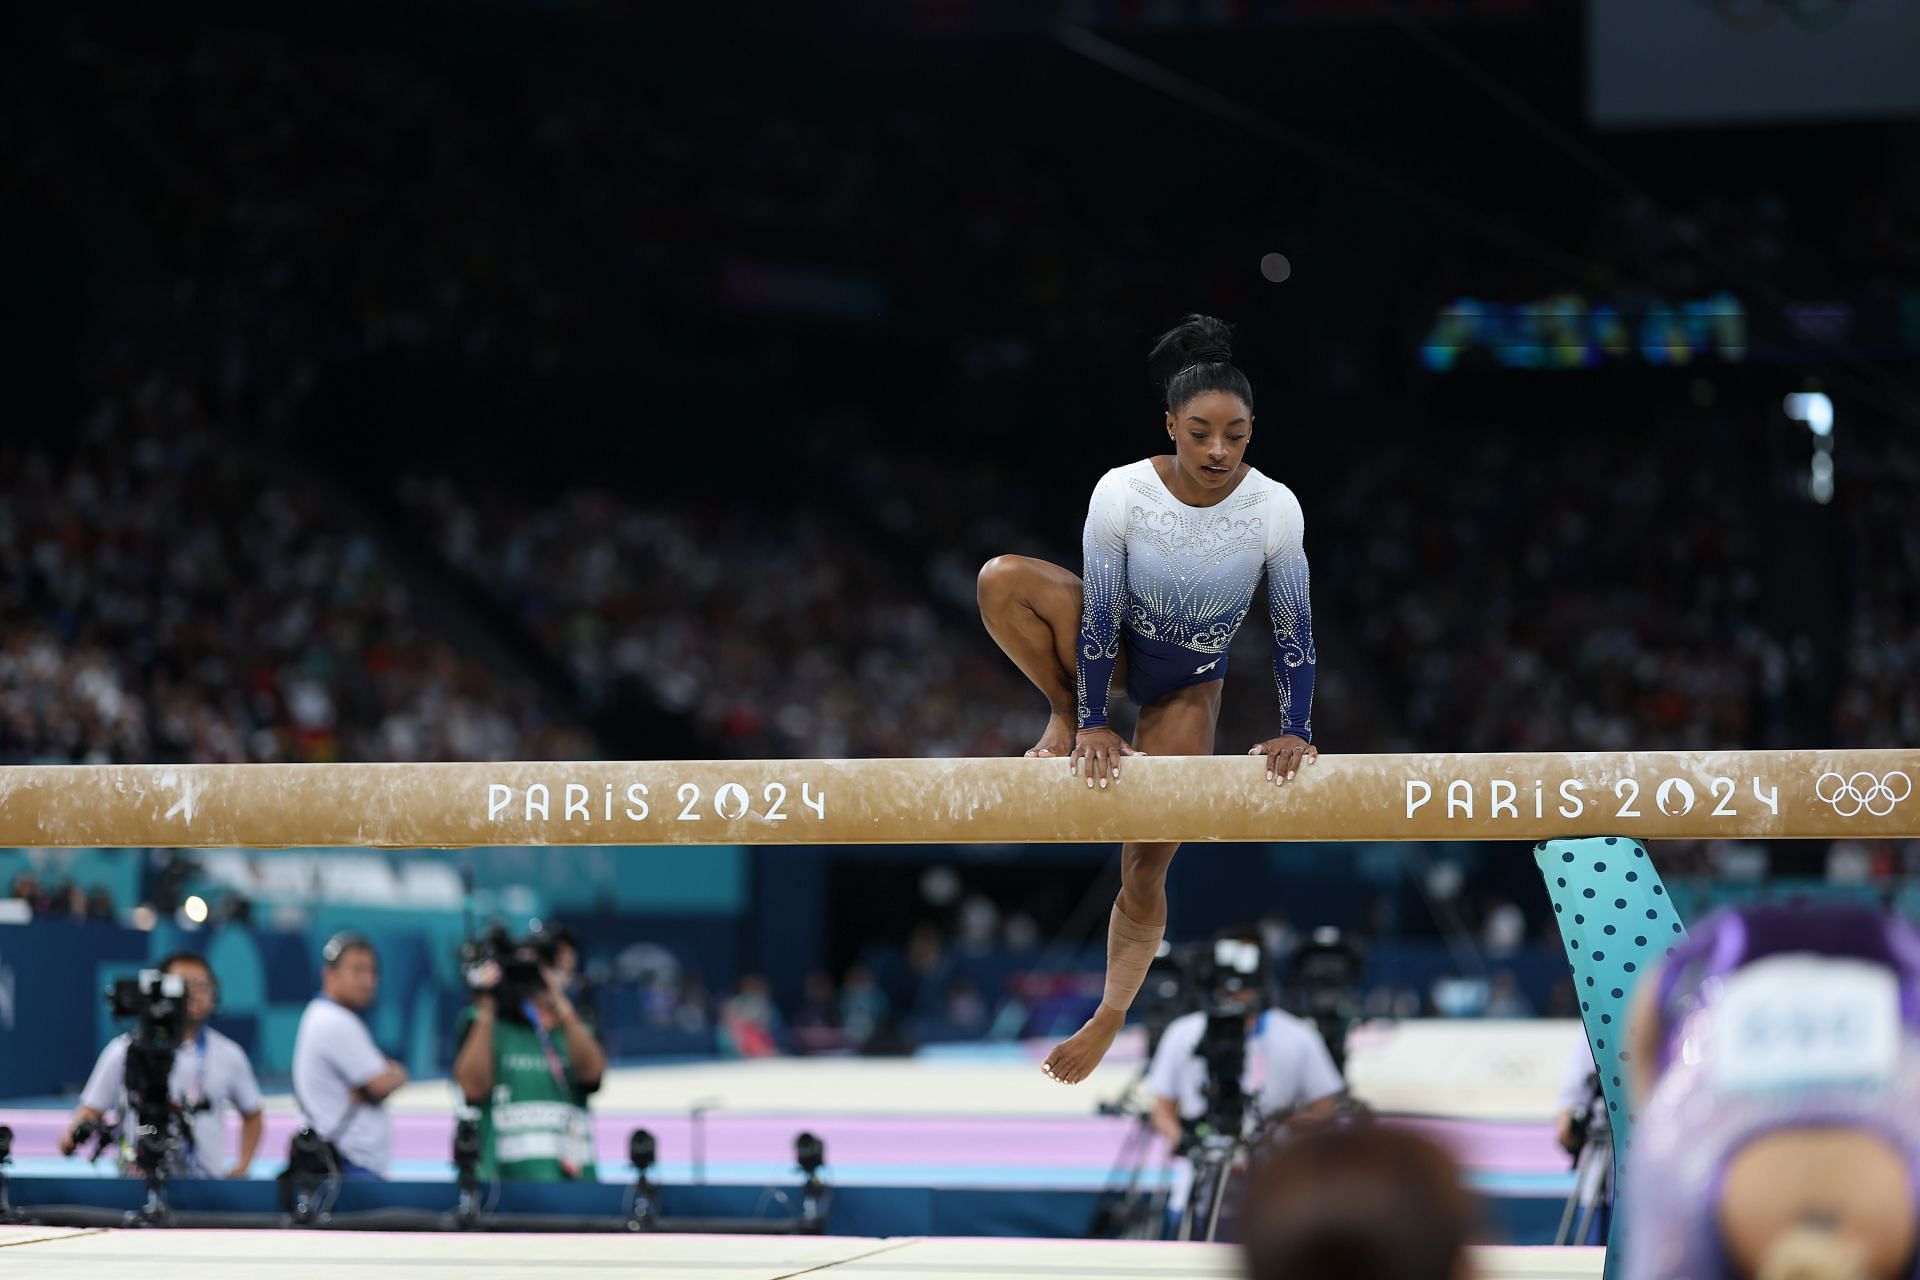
<point>333,1055</point>
<point>211,1074</point>
<point>1577,1083</point>
<point>1288,1065</point>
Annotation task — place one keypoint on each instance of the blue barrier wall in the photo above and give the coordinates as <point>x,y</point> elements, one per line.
<point>52,976</point>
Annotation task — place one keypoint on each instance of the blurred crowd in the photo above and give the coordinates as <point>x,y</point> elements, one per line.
<point>60,900</point>
<point>1879,697</point>
<point>1625,611</point>
<point>1560,594</point>
<point>779,633</point>
<point>1620,611</point>
<point>168,594</point>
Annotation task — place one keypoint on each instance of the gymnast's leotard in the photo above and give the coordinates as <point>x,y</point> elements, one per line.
<point>1172,583</point>
<point>1771,1018</point>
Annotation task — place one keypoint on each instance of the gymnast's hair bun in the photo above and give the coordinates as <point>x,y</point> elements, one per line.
<point>1195,357</point>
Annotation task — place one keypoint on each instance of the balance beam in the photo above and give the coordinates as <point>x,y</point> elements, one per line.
<point>1644,795</point>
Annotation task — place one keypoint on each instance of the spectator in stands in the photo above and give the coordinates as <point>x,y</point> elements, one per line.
<point>816,1023</point>
<point>1372,1201</point>
<point>341,1080</point>
<point>926,954</point>
<point>527,1062</point>
<point>1022,932</point>
<point>691,1012</point>
<point>1503,929</point>
<point>211,1075</point>
<point>26,888</point>
<point>966,1012</point>
<point>749,1024</point>
<point>818,1003</point>
<point>1278,936</point>
<point>128,635</point>
<point>1504,998</point>
<point>864,1007</point>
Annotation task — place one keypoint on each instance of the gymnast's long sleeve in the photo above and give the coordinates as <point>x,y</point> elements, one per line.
<point>1103,597</point>
<point>1291,617</point>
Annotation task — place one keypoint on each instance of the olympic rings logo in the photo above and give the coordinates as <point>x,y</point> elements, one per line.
<point>1863,792</point>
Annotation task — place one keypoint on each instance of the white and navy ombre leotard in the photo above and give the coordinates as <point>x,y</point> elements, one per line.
<point>1173,582</point>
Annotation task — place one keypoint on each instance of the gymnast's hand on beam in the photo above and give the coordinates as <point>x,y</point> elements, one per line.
<point>1101,748</point>
<point>1285,755</point>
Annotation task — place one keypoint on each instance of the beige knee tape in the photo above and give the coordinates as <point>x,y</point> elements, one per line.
<point>1130,949</point>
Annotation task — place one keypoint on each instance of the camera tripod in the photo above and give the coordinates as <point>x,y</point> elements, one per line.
<point>1215,1156</point>
<point>8,1214</point>
<point>1592,1193</point>
<point>1129,1211</point>
<point>157,1143</point>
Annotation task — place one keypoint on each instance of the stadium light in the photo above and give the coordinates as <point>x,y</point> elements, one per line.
<point>1813,408</point>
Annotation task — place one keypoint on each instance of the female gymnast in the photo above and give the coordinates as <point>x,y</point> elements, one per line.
<point>1776,1062</point>
<point>1174,547</point>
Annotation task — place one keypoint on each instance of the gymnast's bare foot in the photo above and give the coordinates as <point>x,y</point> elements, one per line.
<point>1074,1059</point>
<point>1057,741</point>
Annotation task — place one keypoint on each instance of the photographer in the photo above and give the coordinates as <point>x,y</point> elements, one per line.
<point>210,1072</point>
<point>1287,1068</point>
<point>340,1078</point>
<point>1578,1100</point>
<point>527,1062</point>
<point>1582,1131</point>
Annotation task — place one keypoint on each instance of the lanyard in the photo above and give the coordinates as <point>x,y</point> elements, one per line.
<point>199,1089</point>
<point>546,1045</point>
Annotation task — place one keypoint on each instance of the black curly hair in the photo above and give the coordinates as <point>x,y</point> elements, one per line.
<point>1195,357</point>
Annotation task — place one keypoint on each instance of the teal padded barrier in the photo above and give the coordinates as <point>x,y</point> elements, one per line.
<point>1618,924</point>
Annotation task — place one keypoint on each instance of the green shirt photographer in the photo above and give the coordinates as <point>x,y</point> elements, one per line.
<point>528,1072</point>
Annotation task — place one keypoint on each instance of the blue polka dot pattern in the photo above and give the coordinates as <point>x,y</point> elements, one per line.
<point>1594,898</point>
